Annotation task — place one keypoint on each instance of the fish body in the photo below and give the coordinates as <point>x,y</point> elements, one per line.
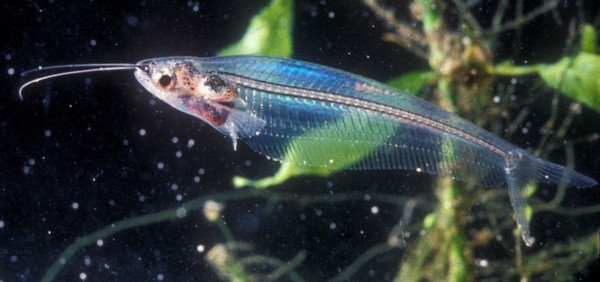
<point>318,116</point>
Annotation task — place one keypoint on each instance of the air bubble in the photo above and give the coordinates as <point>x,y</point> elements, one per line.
<point>374,209</point>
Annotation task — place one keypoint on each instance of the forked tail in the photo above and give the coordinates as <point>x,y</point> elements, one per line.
<point>521,169</point>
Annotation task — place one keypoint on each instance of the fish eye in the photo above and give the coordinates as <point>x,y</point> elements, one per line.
<point>164,80</point>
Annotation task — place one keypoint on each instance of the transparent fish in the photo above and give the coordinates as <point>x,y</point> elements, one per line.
<point>319,116</point>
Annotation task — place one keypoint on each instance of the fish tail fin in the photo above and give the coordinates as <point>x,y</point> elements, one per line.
<point>523,168</point>
<point>547,172</point>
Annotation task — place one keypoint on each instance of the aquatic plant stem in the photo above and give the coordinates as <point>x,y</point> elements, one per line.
<point>180,211</point>
<point>443,249</point>
<point>170,214</point>
<point>508,69</point>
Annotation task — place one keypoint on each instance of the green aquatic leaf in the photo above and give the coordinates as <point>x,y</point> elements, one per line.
<point>286,171</point>
<point>269,32</point>
<point>576,77</point>
<point>341,156</point>
<point>589,39</point>
<point>412,82</point>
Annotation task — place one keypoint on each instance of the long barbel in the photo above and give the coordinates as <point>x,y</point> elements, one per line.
<point>320,116</point>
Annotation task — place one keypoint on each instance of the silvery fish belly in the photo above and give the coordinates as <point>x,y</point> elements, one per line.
<point>319,116</point>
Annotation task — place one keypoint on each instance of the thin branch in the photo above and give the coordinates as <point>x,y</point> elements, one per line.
<point>520,20</point>
<point>406,35</point>
<point>498,16</point>
<point>467,16</point>
<point>473,3</point>
<point>362,260</point>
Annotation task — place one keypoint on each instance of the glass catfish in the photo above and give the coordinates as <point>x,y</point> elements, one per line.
<point>317,116</point>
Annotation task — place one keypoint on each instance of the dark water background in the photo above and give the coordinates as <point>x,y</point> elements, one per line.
<point>73,159</point>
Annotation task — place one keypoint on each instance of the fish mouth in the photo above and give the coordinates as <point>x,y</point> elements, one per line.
<point>143,74</point>
<point>145,68</point>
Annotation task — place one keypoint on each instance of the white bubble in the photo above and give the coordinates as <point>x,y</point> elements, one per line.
<point>482,262</point>
<point>87,260</point>
<point>142,132</point>
<point>31,161</point>
<point>374,209</point>
<point>200,248</point>
<point>160,165</point>
<point>331,15</point>
<point>197,179</point>
<point>174,140</point>
<point>93,42</point>
<point>82,276</point>
<point>160,277</point>
<point>8,57</point>
<point>178,154</point>
<point>75,205</point>
<point>1,223</point>
<point>178,197</point>
<point>100,243</point>
<point>142,198</point>
<point>47,133</point>
<point>13,258</point>
<point>190,143</point>
<point>10,71</point>
<point>201,171</point>
<point>26,170</point>
<point>174,186</point>
<point>332,226</point>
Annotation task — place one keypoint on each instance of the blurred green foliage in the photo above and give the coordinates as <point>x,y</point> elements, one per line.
<point>269,32</point>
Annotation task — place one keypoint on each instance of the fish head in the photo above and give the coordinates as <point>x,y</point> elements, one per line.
<point>204,94</point>
<point>175,80</point>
